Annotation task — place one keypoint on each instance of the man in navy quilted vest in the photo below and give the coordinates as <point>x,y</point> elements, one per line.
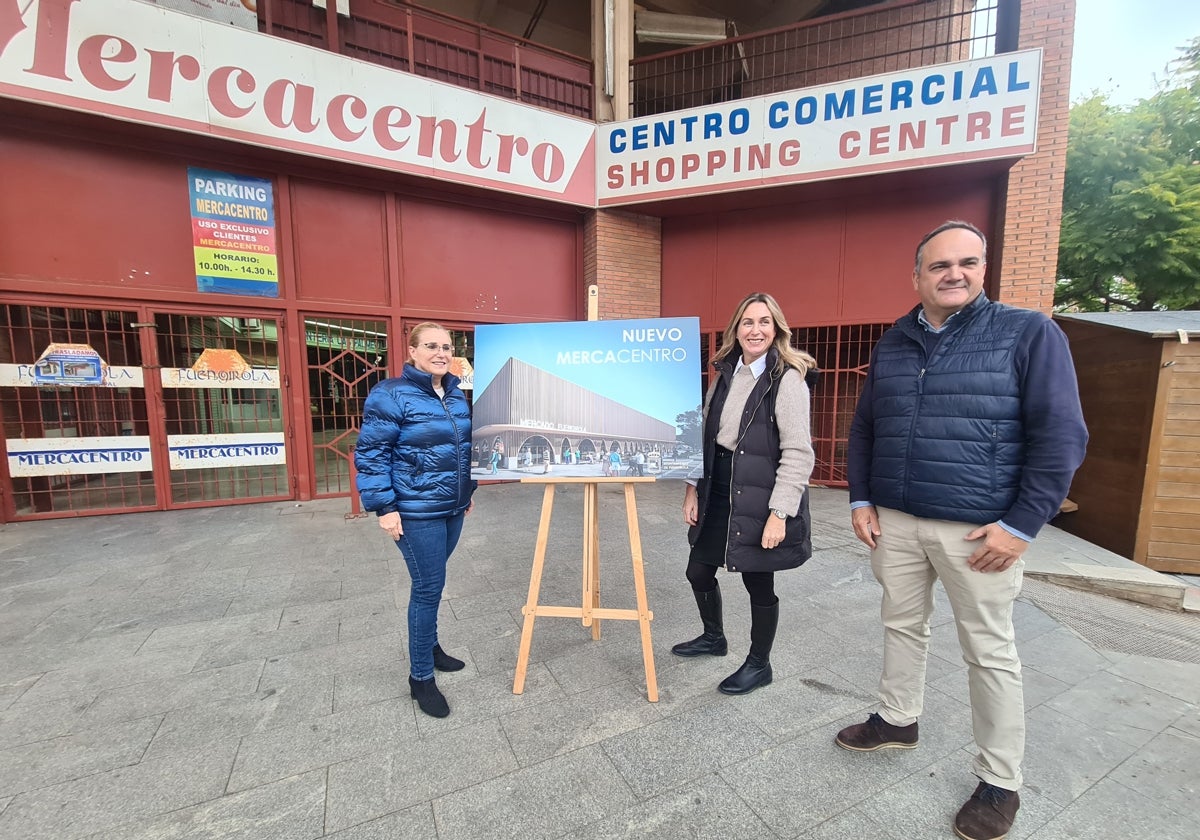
<point>966,437</point>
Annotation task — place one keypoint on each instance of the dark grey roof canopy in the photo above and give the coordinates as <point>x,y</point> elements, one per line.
<point>1153,324</point>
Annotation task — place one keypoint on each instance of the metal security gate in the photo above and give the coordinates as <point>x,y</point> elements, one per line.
<point>222,408</point>
<point>124,409</point>
<point>76,429</point>
<point>345,358</point>
<point>844,354</point>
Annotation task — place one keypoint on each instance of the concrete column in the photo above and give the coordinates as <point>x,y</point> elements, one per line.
<point>612,50</point>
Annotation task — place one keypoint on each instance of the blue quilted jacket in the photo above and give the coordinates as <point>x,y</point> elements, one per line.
<point>987,428</point>
<point>414,450</point>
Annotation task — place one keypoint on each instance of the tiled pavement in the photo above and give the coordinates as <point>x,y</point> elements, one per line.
<point>240,673</point>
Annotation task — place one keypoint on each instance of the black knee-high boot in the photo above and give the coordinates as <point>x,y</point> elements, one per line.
<point>756,670</point>
<point>712,641</point>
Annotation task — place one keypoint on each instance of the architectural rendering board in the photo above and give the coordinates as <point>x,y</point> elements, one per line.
<point>586,398</point>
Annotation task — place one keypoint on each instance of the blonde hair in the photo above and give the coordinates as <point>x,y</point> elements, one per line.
<point>788,355</point>
<point>414,335</point>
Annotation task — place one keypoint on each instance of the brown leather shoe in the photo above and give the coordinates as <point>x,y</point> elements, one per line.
<point>988,814</point>
<point>877,734</point>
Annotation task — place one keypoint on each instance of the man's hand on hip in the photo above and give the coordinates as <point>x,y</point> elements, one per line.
<point>866,525</point>
<point>999,550</point>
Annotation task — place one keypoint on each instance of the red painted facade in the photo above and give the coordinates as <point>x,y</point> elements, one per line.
<point>96,247</point>
<point>831,260</point>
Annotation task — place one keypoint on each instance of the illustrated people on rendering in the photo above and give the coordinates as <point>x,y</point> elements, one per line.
<point>413,458</point>
<point>639,463</point>
<point>756,438</point>
<point>966,436</point>
<point>496,458</point>
<point>614,462</point>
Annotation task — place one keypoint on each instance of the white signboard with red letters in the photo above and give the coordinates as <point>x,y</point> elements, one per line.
<point>926,116</point>
<point>143,63</point>
<point>147,64</point>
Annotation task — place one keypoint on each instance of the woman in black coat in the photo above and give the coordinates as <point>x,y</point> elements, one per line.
<point>749,514</point>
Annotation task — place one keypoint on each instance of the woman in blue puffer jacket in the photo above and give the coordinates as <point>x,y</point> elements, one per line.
<point>413,458</point>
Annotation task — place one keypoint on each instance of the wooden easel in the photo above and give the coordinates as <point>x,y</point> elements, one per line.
<point>591,612</point>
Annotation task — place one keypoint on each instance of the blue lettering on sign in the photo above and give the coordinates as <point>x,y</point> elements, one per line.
<point>83,456</point>
<point>616,141</point>
<point>985,82</point>
<point>238,450</point>
<point>836,109</point>
<point>842,103</point>
<point>1013,83</point>
<point>640,133</point>
<point>928,96</point>
<point>872,99</point>
<point>777,114</point>
<point>739,121</point>
<point>902,92</point>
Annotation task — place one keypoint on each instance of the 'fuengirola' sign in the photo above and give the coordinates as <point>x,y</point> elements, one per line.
<point>927,116</point>
<point>142,63</point>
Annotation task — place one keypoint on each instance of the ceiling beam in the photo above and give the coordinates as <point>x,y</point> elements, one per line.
<point>781,14</point>
<point>484,11</point>
<point>683,7</point>
<point>535,19</point>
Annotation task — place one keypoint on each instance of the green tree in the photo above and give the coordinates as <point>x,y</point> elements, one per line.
<point>691,427</point>
<point>1131,200</point>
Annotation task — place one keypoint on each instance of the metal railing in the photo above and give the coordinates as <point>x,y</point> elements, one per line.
<point>438,46</point>
<point>879,39</point>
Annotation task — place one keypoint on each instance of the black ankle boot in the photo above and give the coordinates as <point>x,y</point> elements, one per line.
<point>712,641</point>
<point>756,670</point>
<point>443,661</point>
<point>428,697</point>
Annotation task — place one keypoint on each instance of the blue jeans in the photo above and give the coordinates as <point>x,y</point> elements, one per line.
<point>426,545</point>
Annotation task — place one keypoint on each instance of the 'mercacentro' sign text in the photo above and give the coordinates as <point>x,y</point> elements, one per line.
<point>146,64</point>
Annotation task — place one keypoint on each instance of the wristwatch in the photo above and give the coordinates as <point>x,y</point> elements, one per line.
<point>779,513</point>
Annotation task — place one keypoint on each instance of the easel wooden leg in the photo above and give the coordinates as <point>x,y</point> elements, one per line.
<point>639,583</point>
<point>590,611</point>
<point>591,557</point>
<point>535,585</point>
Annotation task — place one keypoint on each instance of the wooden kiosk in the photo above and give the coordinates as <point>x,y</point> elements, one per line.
<point>590,611</point>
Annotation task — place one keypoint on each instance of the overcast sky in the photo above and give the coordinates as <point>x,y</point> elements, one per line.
<point>1121,46</point>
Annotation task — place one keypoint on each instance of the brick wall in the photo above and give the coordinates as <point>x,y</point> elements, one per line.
<point>1032,208</point>
<point>622,255</point>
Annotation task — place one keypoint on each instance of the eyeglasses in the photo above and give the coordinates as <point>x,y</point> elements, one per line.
<point>433,348</point>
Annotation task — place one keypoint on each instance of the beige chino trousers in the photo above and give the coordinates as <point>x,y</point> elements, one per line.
<point>909,555</point>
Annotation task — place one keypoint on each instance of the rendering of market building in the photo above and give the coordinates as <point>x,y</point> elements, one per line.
<point>528,409</point>
<point>302,187</point>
